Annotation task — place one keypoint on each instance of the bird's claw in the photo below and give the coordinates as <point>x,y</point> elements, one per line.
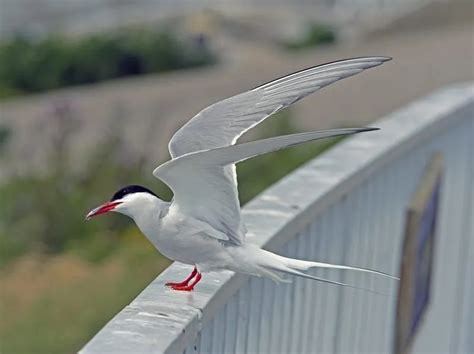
<point>171,285</point>
<point>179,287</point>
<point>186,285</point>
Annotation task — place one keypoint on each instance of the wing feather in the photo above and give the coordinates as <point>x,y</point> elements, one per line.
<point>222,123</point>
<point>203,187</point>
<point>206,189</point>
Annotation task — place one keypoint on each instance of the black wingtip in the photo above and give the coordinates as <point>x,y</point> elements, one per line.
<point>367,129</point>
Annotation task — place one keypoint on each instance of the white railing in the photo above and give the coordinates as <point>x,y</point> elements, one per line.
<point>346,206</point>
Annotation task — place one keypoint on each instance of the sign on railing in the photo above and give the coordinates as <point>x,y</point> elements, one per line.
<point>417,257</point>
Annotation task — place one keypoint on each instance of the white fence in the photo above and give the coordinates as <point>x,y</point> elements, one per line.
<point>346,206</point>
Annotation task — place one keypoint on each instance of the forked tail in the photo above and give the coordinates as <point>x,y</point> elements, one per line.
<point>269,263</point>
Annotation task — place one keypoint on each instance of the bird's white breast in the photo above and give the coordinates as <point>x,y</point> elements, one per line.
<point>184,239</point>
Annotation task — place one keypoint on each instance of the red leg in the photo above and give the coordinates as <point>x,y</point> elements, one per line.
<point>185,281</point>
<point>189,287</point>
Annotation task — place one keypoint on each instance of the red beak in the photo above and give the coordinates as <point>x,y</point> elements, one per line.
<point>104,208</point>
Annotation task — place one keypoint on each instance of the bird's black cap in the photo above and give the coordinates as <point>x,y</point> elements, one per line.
<point>122,192</point>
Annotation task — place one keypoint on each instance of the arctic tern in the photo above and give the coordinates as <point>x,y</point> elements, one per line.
<point>202,225</point>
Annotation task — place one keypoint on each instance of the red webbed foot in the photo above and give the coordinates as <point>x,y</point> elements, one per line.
<point>185,282</point>
<point>184,285</point>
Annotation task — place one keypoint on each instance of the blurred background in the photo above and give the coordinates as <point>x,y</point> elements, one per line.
<point>92,90</point>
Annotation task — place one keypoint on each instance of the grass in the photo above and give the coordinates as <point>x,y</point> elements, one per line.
<point>54,304</point>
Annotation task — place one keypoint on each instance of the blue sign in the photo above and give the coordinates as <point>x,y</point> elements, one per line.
<point>417,257</point>
<point>424,257</point>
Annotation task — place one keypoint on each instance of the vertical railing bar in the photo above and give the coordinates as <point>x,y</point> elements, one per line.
<point>242,318</point>
<point>277,323</point>
<point>320,287</point>
<point>446,226</point>
<point>393,238</point>
<point>386,254</point>
<point>375,303</point>
<point>376,283</point>
<point>311,301</point>
<point>323,288</point>
<point>299,287</point>
<point>398,204</point>
<point>218,332</point>
<point>225,322</point>
<point>266,319</point>
<point>288,302</point>
<point>205,340</point>
<point>332,292</point>
<point>305,290</point>
<point>466,202</point>
<point>299,310</point>
<point>255,313</point>
<point>381,263</point>
<point>323,251</point>
<point>363,261</point>
<point>359,249</point>
<point>237,320</point>
<point>347,310</point>
<point>369,241</point>
<point>212,329</point>
<point>196,347</point>
<point>252,291</point>
<point>461,268</point>
<point>311,340</point>
<point>468,299</point>
<point>366,242</point>
<point>281,309</point>
<point>339,309</point>
<point>332,242</point>
<point>356,249</point>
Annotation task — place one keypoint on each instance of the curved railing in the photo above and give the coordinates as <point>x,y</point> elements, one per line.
<point>347,207</point>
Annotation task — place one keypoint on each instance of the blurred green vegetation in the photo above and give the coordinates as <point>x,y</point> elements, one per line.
<point>316,34</point>
<point>30,65</point>
<point>5,133</point>
<point>45,212</point>
<point>63,278</point>
<point>55,304</point>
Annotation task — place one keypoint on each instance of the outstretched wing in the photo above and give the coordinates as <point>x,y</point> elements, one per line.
<point>203,189</point>
<point>222,123</point>
<point>207,190</point>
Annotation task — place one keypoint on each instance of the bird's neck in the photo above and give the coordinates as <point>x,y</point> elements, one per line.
<point>148,219</point>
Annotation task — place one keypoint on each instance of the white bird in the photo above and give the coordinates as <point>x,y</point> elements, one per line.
<point>202,225</point>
